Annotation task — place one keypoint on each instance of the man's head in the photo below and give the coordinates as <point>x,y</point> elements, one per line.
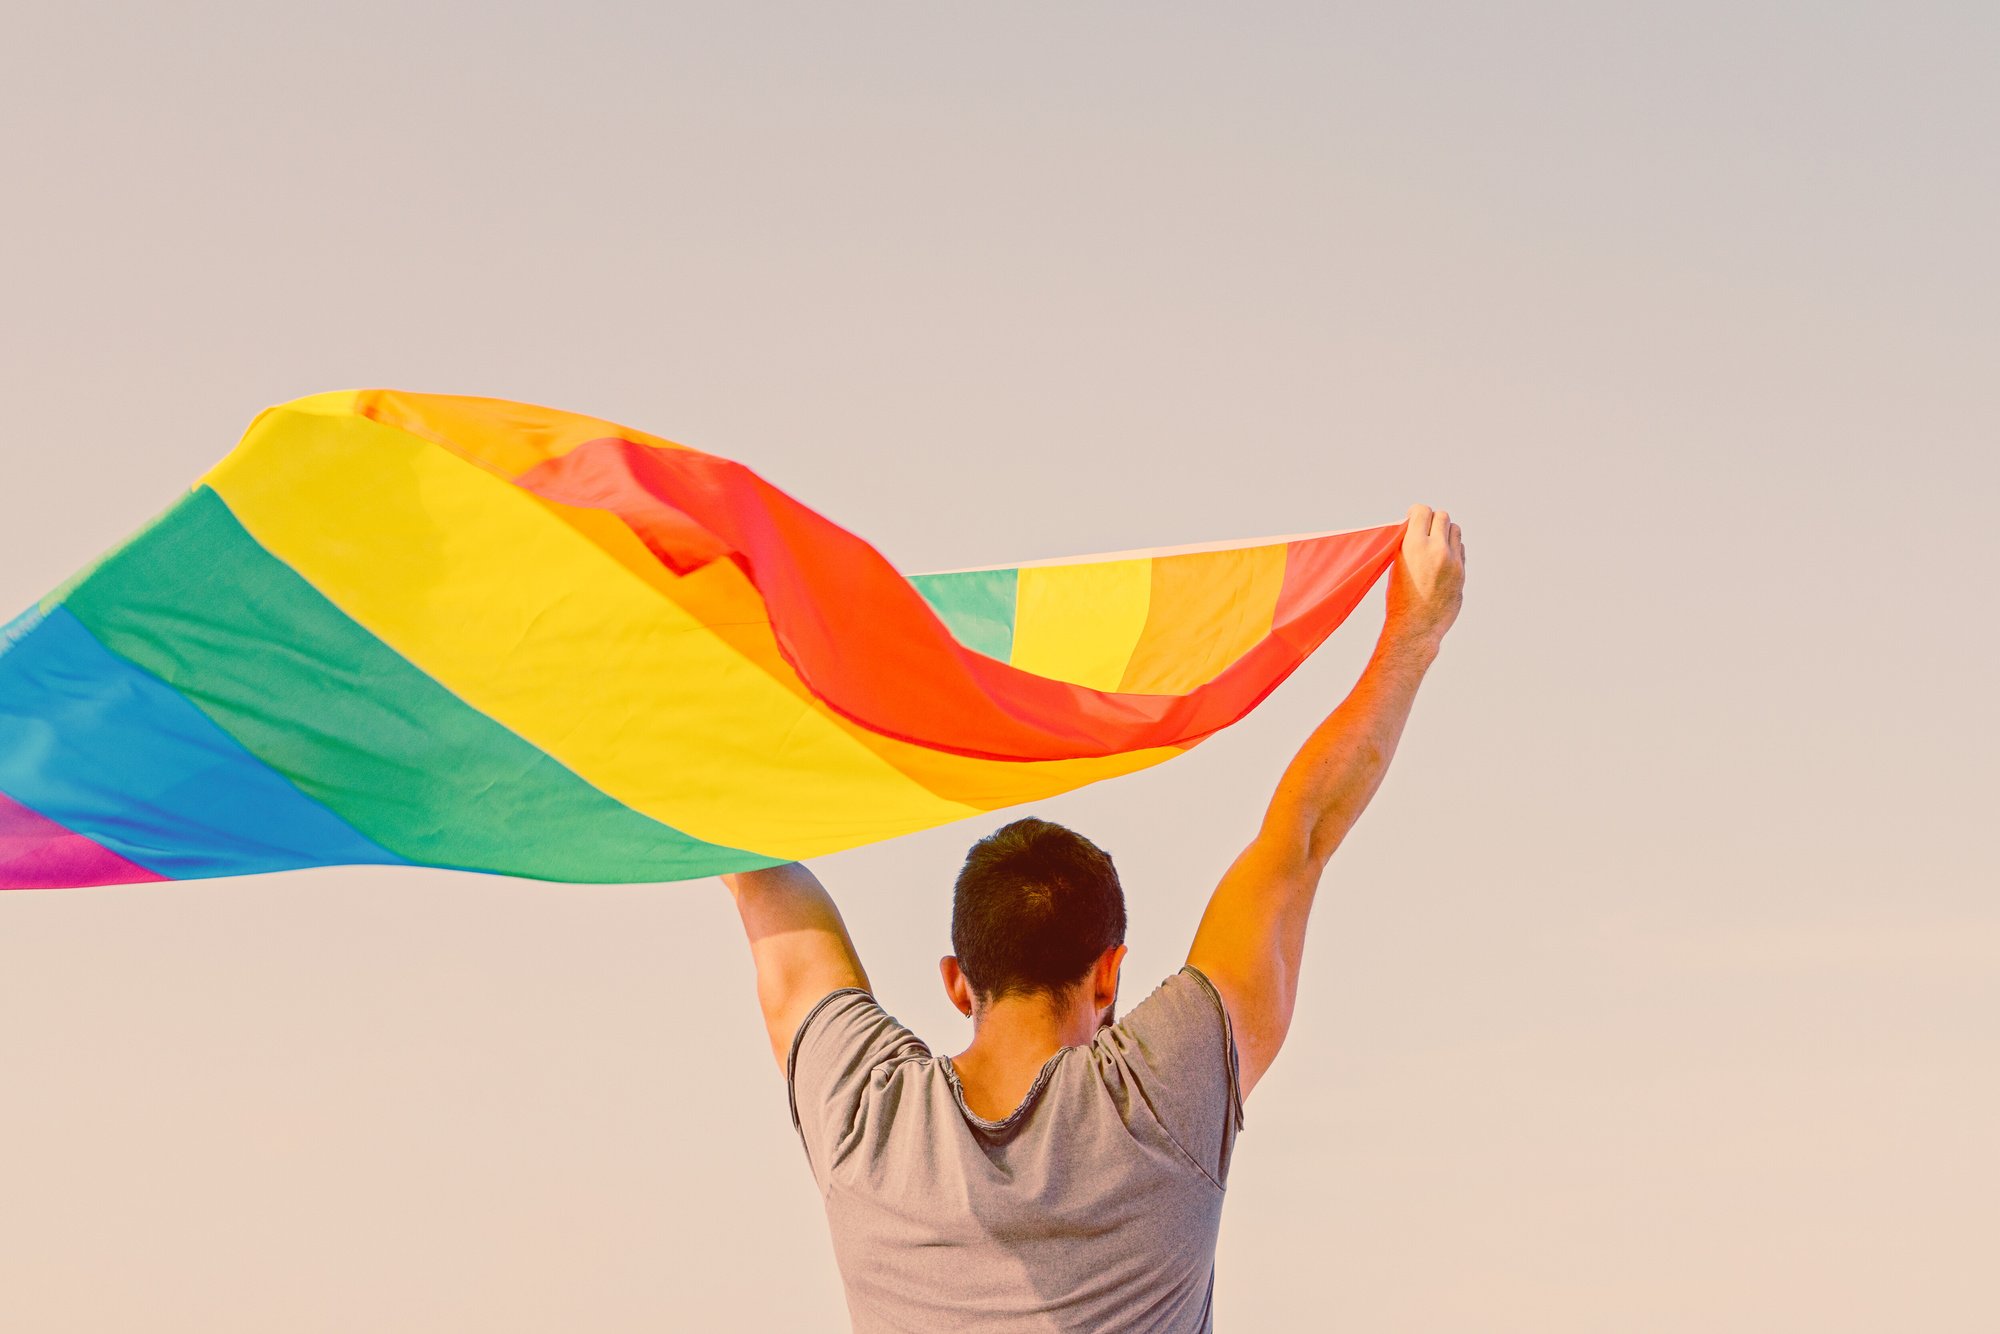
<point>1037,912</point>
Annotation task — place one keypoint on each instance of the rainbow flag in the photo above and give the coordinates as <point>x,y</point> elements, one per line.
<point>398,629</point>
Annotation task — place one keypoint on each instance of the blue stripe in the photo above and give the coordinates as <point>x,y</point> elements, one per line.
<point>98,745</point>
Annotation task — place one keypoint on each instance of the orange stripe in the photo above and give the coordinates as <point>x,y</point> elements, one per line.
<point>503,437</point>
<point>1207,610</point>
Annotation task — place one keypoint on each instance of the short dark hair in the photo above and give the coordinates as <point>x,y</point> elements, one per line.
<point>1034,906</point>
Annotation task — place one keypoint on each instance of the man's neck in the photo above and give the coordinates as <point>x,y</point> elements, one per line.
<point>1012,1039</point>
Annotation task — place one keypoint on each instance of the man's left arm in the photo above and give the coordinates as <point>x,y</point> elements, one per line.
<point>799,944</point>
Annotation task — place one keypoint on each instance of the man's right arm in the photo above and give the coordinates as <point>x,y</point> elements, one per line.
<point>799,944</point>
<point>1252,937</point>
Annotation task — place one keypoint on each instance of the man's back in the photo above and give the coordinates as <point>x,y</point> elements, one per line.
<point>1094,1205</point>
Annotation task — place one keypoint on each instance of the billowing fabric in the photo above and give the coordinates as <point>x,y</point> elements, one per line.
<point>410,629</point>
<point>1094,1205</point>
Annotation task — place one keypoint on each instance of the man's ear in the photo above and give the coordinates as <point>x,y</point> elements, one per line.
<point>955,984</point>
<point>1104,978</point>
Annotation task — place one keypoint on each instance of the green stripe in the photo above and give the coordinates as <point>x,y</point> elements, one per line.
<point>61,592</point>
<point>978,606</point>
<point>196,601</point>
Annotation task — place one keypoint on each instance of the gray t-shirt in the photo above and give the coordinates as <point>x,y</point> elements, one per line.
<point>1093,1206</point>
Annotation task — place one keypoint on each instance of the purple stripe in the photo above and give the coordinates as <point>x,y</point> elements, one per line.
<point>38,853</point>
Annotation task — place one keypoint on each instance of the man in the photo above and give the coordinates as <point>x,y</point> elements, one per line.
<point>1065,1171</point>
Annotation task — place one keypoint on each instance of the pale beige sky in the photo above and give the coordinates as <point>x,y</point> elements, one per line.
<point>1660,991</point>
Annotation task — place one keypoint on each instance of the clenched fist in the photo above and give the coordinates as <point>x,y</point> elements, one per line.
<point>1428,581</point>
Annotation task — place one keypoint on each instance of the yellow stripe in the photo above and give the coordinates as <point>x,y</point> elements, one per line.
<point>557,632</point>
<point>1079,623</point>
<point>1208,609</point>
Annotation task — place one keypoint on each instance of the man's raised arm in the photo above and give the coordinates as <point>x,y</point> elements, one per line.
<point>798,943</point>
<point>1252,936</point>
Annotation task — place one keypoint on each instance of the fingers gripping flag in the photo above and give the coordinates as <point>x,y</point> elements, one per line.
<point>410,629</point>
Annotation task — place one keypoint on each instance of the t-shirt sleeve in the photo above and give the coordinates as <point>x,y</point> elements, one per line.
<point>843,1041</point>
<point>1178,1048</point>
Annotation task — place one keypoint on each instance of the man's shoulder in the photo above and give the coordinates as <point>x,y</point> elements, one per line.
<point>840,1043</point>
<point>1177,1052</point>
<point>1184,1003</point>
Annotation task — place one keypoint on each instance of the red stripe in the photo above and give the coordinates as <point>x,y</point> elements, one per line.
<point>869,646</point>
<point>38,853</point>
<point>1326,578</point>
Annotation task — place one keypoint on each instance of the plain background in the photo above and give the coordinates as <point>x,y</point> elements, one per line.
<point>1660,990</point>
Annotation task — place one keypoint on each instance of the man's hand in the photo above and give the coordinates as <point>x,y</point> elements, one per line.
<point>799,944</point>
<point>1251,940</point>
<point>1428,581</point>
